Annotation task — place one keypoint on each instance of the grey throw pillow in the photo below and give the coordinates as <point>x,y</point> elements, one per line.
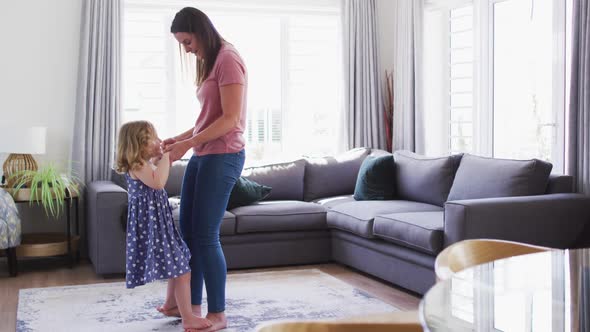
<point>424,179</point>
<point>480,177</point>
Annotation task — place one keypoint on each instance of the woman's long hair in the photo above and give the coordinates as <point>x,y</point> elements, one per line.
<point>191,20</point>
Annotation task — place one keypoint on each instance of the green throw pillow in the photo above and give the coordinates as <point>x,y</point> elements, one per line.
<point>246,192</point>
<point>376,179</point>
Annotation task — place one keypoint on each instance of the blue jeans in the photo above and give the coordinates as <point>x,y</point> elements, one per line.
<point>206,186</point>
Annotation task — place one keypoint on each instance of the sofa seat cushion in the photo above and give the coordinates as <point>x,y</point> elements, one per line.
<point>228,225</point>
<point>279,216</point>
<point>357,217</point>
<point>422,231</point>
<point>330,202</point>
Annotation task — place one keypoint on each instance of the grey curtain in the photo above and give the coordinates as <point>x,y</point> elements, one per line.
<point>99,89</point>
<point>363,104</point>
<point>407,37</point>
<point>578,137</point>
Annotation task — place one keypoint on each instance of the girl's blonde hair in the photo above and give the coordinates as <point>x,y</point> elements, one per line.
<point>132,149</point>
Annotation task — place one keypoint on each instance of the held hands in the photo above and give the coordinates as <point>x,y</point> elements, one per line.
<point>169,141</point>
<point>176,149</point>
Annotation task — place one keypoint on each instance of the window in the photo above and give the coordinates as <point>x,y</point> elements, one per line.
<point>292,50</point>
<point>501,88</point>
<point>525,119</point>
<point>461,79</point>
<point>449,79</point>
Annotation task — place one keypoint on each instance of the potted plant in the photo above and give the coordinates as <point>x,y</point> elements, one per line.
<point>46,186</point>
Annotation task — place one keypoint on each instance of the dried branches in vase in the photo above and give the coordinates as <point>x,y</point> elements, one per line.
<point>388,109</point>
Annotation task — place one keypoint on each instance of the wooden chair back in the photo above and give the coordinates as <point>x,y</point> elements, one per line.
<point>399,321</point>
<point>467,253</point>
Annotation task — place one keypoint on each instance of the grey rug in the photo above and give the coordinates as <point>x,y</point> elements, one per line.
<point>252,298</point>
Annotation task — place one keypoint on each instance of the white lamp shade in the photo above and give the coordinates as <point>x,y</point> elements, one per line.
<point>23,140</point>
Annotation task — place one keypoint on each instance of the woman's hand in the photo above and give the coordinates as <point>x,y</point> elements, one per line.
<point>167,142</point>
<point>177,150</point>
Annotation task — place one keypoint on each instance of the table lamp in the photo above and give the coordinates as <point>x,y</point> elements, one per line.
<point>21,143</point>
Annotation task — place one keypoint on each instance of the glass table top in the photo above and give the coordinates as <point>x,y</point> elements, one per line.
<point>547,291</point>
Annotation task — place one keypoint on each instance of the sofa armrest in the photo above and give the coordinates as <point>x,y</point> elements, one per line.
<point>106,204</point>
<point>553,220</point>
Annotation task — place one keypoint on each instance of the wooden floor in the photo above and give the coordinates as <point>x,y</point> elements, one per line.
<point>51,272</point>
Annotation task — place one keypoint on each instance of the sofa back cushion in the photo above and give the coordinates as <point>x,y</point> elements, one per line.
<point>174,184</point>
<point>559,184</point>
<point>285,179</point>
<point>424,179</point>
<point>480,177</point>
<point>332,176</point>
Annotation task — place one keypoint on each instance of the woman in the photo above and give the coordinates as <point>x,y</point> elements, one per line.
<point>218,156</point>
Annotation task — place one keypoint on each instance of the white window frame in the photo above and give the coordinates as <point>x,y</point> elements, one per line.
<point>447,6</point>
<point>485,75</point>
<point>270,8</point>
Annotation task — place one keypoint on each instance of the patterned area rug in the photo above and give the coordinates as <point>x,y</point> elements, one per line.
<point>252,298</point>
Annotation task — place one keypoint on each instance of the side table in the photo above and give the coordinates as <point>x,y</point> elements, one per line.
<point>52,244</point>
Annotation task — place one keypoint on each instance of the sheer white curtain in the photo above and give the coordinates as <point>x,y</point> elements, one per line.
<point>363,102</point>
<point>578,139</point>
<point>408,133</point>
<point>99,90</point>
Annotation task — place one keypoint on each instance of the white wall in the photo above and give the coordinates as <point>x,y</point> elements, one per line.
<point>38,70</point>
<point>38,74</point>
<point>385,27</point>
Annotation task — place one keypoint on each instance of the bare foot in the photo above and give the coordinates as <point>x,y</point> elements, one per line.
<point>218,320</point>
<point>193,323</point>
<point>169,311</point>
<point>172,311</point>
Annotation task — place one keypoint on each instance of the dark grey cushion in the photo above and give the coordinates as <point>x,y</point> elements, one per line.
<point>174,183</point>
<point>285,179</point>
<point>332,176</point>
<point>357,217</point>
<point>480,177</point>
<point>560,184</point>
<point>228,225</point>
<point>424,179</point>
<point>376,179</point>
<point>119,179</point>
<point>246,192</point>
<point>418,230</point>
<point>280,216</point>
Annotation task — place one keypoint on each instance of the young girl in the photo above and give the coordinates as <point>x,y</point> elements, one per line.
<point>155,249</point>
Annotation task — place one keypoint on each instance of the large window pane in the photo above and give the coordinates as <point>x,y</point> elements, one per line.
<point>524,122</point>
<point>294,76</point>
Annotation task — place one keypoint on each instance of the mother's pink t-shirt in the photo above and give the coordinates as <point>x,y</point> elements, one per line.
<point>228,69</point>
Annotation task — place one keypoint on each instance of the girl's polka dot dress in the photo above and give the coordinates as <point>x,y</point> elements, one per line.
<point>155,249</point>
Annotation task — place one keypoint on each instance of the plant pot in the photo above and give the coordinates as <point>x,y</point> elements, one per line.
<point>24,195</point>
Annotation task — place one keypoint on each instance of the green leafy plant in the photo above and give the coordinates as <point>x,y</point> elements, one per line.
<point>48,187</point>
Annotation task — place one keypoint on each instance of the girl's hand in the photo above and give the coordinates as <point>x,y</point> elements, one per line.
<point>167,142</point>
<point>177,150</point>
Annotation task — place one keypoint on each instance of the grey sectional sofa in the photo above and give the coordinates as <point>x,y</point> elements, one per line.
<point>312,217</point>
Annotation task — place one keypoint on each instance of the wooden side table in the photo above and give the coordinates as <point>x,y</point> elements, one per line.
<point>52,244</point>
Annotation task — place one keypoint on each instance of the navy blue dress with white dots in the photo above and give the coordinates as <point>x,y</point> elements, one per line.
<point>155,249</point>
